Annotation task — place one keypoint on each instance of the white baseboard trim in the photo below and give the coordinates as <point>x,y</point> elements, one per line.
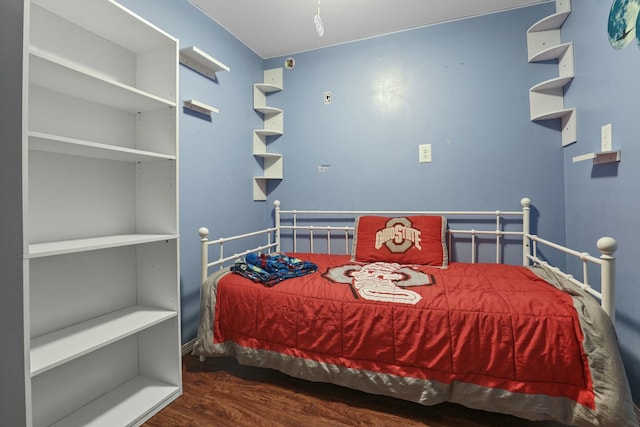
<point>188,346</point>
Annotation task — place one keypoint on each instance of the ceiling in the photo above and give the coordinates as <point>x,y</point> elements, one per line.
<point>273,28</point>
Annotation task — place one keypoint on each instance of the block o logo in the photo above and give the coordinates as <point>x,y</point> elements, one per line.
<point>398,236</point>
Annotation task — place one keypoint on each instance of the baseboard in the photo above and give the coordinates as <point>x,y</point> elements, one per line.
<point>188,346</point>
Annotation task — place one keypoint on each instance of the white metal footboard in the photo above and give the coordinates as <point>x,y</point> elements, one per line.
<point>606,263</point>
<point>222,259</point>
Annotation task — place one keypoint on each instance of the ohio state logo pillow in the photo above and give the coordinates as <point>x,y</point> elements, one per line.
<point>404,240</point>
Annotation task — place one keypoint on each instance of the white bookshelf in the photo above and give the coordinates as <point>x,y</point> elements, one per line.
<point>100,207</point>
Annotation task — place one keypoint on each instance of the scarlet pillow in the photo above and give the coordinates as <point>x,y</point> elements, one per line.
<point>405,240</point>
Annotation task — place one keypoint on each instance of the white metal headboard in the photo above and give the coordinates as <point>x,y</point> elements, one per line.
<point>530,243</point>
<point>497,217</point>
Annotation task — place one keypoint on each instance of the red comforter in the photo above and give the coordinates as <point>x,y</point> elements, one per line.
<point>492,325</point>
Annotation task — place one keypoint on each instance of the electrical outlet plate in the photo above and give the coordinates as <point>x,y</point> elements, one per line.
<point>605,137</point>
<point>424,153</point>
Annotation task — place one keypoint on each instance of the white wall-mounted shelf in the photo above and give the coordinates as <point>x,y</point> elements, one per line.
<point>273,125</point>
<point>200,61</point>
<point>546,99</point>
<point>205,64</point>
<point>200,107</point>
<point>545,34</point>
<point>267,110</point>
<point>600,157</point>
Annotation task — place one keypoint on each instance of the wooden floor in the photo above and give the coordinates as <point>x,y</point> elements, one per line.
<point>219,392</point>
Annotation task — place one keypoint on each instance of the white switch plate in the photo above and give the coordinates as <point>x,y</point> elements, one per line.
<point>424,153</point>
<point>605,137</point>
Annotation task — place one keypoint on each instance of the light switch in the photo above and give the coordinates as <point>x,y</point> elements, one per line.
<point>424,153</point>
<point>605,137</point>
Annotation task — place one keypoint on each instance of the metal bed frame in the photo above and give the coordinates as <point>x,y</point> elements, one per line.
<point>290,221</point>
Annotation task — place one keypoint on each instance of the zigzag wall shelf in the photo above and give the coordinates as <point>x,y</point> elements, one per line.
<point>273,127</point>
<point>546,99</point>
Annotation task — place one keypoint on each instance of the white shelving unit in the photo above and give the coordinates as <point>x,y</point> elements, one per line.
<point>546,99</point>
<point>273,119</point>
<point>101,298</point>
<point>205,64</point>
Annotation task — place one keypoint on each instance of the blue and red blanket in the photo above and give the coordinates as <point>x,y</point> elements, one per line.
<point>273,268</point>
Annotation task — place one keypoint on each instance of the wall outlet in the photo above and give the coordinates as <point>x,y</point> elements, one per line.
<point>605,137</point>
<point>424,153</point>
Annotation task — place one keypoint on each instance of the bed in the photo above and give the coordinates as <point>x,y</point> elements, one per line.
<point>407,304</point>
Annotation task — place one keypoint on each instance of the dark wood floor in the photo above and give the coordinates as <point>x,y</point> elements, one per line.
<point>219,392</point>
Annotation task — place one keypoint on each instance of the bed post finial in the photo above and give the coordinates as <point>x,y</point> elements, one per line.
<point>608,245</point>
<point>203,232</point>
<point>276,204</point>
<point>204,252</point>
<point>526,230</point>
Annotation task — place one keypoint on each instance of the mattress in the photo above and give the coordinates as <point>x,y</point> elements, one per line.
<point>502,338</point>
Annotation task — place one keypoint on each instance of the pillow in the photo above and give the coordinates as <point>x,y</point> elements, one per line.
<point>405,240</point>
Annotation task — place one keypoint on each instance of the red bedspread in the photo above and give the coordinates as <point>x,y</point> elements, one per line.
<point>492,325</point>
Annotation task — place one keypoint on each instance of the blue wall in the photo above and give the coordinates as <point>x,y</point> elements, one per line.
<point>602,200</point>
<point>460,86</point>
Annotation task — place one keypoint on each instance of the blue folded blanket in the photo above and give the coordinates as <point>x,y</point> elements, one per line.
<point>273,268</point>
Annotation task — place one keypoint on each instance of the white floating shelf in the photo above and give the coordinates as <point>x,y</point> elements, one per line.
<point>558,82</point>
<point>599,158</point>
<point>550,53</point>
<point>268,132</point>
<point>268,88</point>
<point>551,22</point>
<point>202,62</point>
<point>200,107</point>
<point>268,110</point>
<point>268,155</point>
